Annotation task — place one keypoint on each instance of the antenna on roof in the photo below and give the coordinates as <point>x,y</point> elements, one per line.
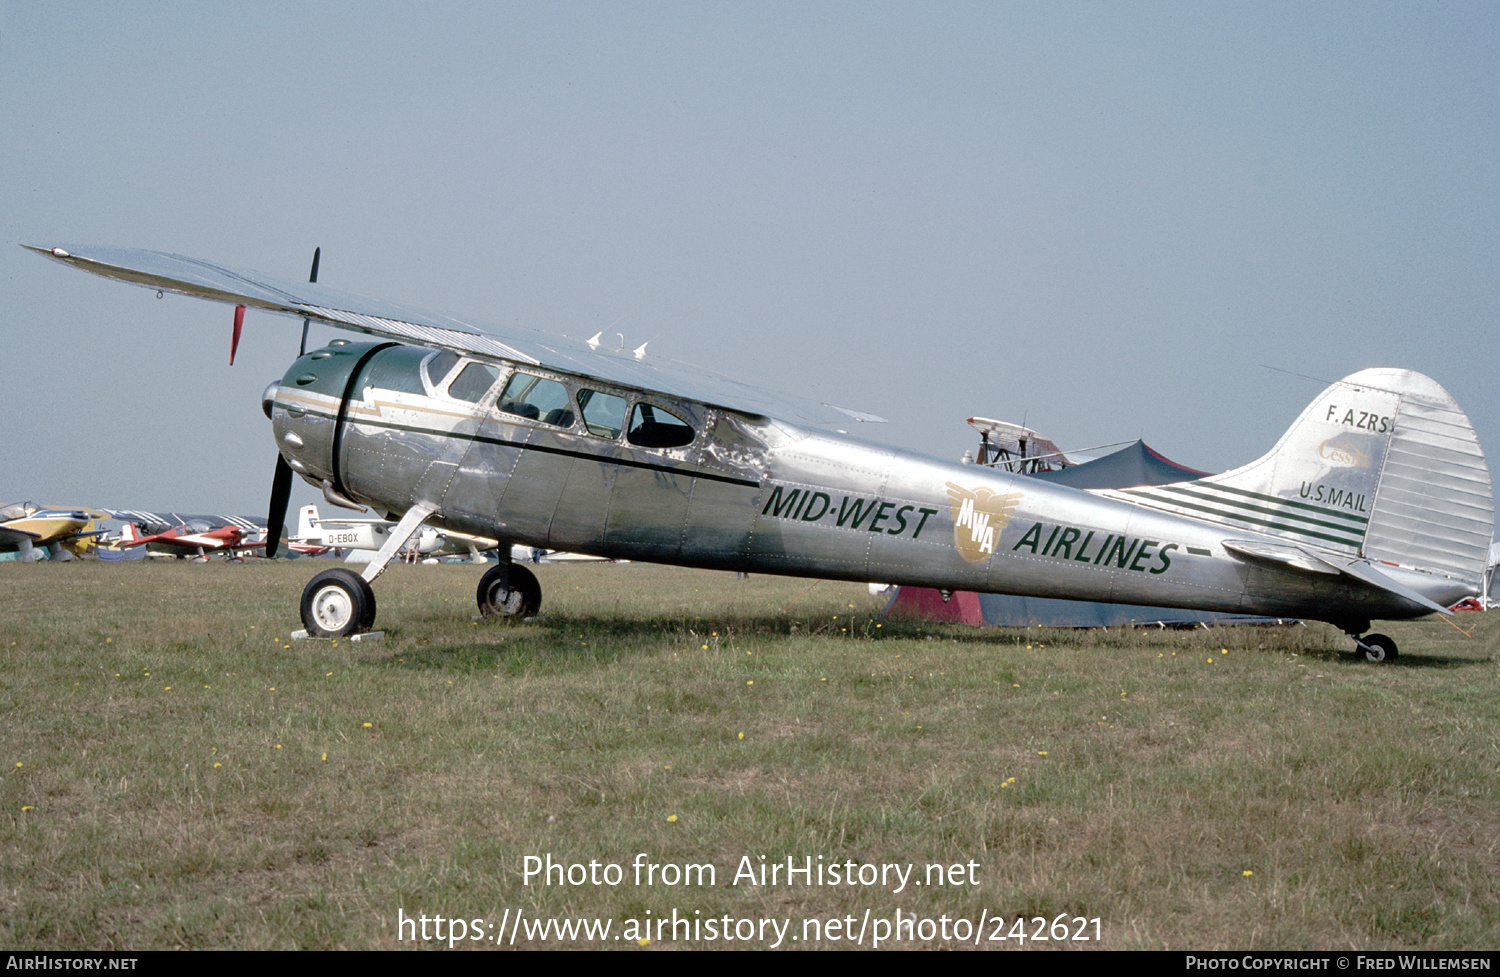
<point>1299,376</point>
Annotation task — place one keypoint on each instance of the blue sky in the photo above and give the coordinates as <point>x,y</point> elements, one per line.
<point>1103,219</point>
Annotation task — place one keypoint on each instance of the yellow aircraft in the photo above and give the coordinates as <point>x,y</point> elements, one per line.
<point>62,532</point>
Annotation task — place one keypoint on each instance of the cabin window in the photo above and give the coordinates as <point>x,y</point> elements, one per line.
<point>439,366</point>
<point>398,368</point>
<point>538,399</point>
<point>474,382</point>
<point>653,427</point>
<point>603,414</point>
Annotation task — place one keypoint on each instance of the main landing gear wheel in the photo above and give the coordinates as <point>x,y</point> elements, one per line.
<point>336,603</point>
<point>1376,648</point>
<point>509,591</point>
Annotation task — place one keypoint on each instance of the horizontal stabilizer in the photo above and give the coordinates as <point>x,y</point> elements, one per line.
<point>1297,558</point>
<point>1283,554</point>
<point>1363,570</point>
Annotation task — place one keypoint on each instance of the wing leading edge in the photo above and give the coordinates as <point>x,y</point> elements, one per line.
<point>376,317</point>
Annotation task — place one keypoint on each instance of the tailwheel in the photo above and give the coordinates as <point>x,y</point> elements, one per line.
<point>336,603</point>
<point>1376,648</point>
<point>509,591</point>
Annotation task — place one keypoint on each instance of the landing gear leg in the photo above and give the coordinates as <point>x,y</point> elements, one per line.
<point>1376,648</point>
<point>340,602</point>
<point>510,592</point>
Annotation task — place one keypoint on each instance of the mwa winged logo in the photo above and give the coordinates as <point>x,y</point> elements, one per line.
<point>979,515</point>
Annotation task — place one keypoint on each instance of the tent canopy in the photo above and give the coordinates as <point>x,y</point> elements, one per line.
<point>1135,464</point>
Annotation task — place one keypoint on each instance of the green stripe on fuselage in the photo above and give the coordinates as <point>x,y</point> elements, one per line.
<point>1352,537</point>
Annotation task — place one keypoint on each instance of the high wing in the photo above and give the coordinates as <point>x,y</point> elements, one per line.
<point>377,317</point>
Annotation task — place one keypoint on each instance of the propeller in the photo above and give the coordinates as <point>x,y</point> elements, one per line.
<point>313,278</point>
<point>281,481</point>
<point>281,492</point>
<point>234,337</point>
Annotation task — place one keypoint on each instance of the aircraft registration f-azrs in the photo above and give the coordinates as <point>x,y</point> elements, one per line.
<point>1375,504</point>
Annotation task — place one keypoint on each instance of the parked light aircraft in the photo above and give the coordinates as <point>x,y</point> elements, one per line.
<point>1375,504</point>
<point>343,532</point>
<point>195,539</point>
<point>1016,448</point>
<point>148,521</point>
<point>25,526</point>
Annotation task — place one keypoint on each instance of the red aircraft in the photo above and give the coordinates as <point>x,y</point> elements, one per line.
<point>198,537</point>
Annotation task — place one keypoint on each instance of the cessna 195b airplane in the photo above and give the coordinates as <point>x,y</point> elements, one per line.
<point>1376,504</point>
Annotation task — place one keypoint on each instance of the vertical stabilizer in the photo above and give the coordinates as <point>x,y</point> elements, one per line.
<point>1382,465</point>
<point>307,521</point>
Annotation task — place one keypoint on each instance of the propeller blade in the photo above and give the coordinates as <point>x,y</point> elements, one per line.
<point>234,339</point>
<point>317,253</point>
<point>281,491</point>
<point>281,482</point>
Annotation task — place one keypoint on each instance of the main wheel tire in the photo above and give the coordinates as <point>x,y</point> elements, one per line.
<point>337,602</point>
<point>509,591</point>
<point>1377,648</point>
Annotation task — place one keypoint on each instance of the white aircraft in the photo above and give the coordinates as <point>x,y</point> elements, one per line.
<point>1376,503</point>
<point>370,534</point>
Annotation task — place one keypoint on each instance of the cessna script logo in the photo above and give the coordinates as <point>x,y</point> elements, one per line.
<point>978,517</point>
<point>1344,450</point>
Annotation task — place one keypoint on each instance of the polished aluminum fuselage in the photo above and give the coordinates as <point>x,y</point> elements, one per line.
<point>753,493</point>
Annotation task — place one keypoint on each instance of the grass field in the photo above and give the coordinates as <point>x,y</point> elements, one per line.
<point>178,773</point>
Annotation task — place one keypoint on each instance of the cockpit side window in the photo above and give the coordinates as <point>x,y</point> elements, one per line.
<point>537,398</point>
<point>439,366</point>
<point>603,414</point>
<point>654,427</point>
<point>474,382</point>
